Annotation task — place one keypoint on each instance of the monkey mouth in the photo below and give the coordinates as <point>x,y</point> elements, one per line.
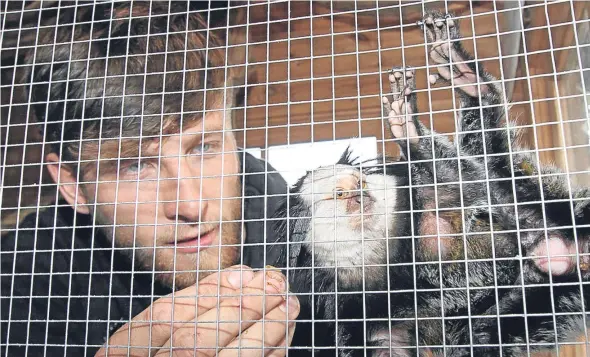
<point>359,208</point>
<point>360,203</point>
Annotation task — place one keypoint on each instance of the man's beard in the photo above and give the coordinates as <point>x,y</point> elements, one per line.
<point>210,260</point>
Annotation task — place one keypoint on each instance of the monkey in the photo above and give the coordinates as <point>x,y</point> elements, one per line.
<point>464,334</point>
<point>357,277</point>
<point>347,289</point>
<point>355,274</point>
<point>443,34</point>
<point>518,177</point>
<point>314,218</point>
<point>326,266</point>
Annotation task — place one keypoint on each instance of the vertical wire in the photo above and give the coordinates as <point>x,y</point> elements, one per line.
<point>116,199</point>
<point>287,246</point>
<point>244,125</point>
<point>580,65</point>
<point>177,178</point>
<point>10,101</point>
<point>93,229</point>
<point>486,163</point>
<point>219,262</point>
<point>312,243</point>
<point>16,235</point>
<point>158,172</point>
<point>385,188</point>
<point>335,241</point>
<point>73,39</point>
<point>181,117</point>
<point>534,125</point>
<point>177,199</point>
<point>472,21</point>
<point>362,204</point>
<point>567,173</point>
<point>436,205</point>
<point>266,173</point>
<point>586,108</point>
<point>266,125</point>
<point>234,153</point>
<point>39,193</point>
<point>243,164</point>
<point>4,156</point>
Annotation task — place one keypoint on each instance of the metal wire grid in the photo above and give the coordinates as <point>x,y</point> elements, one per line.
<point>576,21</point>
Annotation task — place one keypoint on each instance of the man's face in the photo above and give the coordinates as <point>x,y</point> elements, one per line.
<point>179,205</point>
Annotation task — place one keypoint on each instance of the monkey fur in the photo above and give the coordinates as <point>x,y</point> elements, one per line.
<point>537,208</point>
<point>384,280</point>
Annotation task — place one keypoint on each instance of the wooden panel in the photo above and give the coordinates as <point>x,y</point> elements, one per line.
<point>313,75</point>
<point>329,71</point>
<point>554,133</point>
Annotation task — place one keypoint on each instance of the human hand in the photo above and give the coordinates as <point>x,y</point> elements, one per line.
<point>232,312</point>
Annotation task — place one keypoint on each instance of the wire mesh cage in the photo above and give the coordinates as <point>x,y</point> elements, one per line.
<point>347,178</point>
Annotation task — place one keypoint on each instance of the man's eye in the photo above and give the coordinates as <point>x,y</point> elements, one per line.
<point>202,148</point>
<point>135,167</point>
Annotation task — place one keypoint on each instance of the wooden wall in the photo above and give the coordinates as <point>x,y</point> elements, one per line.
<point>313,71</point>
<point>317,73</point>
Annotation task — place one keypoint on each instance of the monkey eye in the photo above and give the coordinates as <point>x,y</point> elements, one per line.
<point>339,193</point>
<point>363,184</point>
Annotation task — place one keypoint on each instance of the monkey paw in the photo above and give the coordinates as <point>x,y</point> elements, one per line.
<point>441,34</point>
<point>399,111</point>
<point>447,52</point>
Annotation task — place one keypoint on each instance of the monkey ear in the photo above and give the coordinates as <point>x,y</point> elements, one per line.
<point>346,158</point>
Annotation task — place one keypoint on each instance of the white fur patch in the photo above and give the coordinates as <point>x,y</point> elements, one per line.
<point>341,238</point>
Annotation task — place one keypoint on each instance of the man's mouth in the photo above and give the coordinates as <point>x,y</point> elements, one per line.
<point>195,243</point>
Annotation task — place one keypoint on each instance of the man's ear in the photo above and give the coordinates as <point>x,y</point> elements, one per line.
<point>67,182</point>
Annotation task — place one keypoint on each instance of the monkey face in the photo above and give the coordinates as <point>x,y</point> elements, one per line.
<point>351,210</point>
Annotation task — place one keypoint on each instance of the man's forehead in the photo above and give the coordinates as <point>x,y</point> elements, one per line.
<point>147,144</point>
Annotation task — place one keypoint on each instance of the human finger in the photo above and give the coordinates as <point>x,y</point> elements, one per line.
<point>268,336</point>
<point>152,326</point>
<point>215,328</point>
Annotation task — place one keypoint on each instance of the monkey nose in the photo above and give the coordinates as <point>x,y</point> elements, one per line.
<point>357,198</point>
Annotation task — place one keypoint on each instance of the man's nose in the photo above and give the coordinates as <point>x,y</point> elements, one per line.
<point>184,201</point>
